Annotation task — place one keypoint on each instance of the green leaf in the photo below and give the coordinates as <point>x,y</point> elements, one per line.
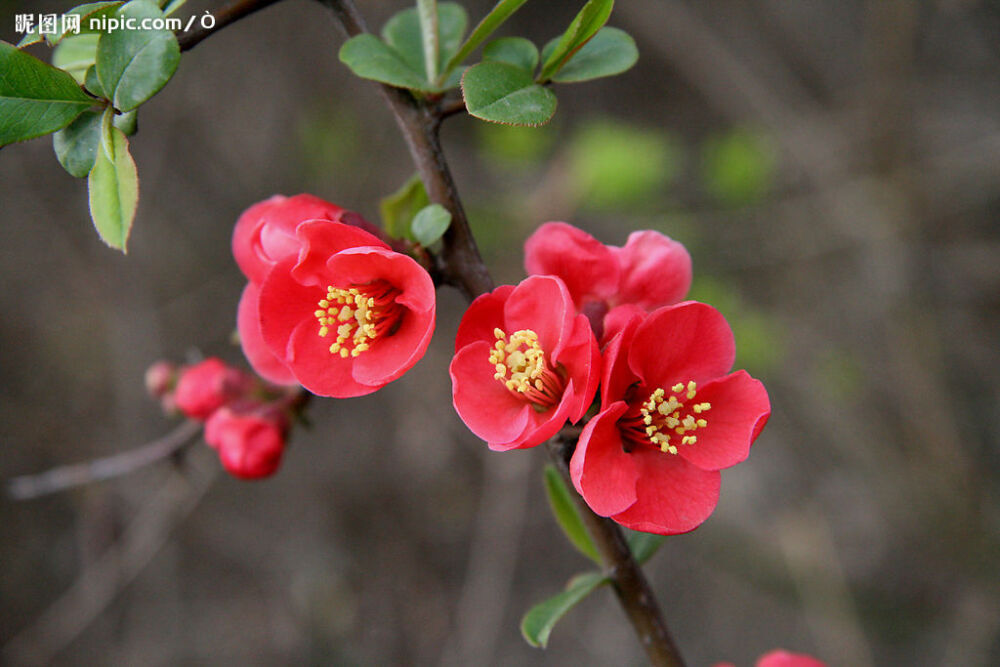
<point>127,122</point>
<point>537,624</point>
<point>402,32</point>
<point>503,93</point>
<point>114,188</point>
<point>133,65</point>
<point>500,13</point>
<point>371,58</point>
<point>583,26</point>
<point>427,13</point>
<point>516,51</point>
<point>738,166</point>
<point>566,514</point>
<point>92,83</point>
<point>610,52</point>
<point>76,144</point>
<point>399,208</point>
<point>91,11</point>
<point>430,223</point>
<point>35,98</point>
<point>30,38</point>
<point>75,55</point>
<point>643,545</point>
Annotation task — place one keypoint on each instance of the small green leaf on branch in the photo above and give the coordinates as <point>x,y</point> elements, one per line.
<point>133,65</point>
<point>610,52</point>
<point>371,58</point>
<point>584,25</point>
<point>504,93</point>
<point>399,208</point>
<point>76,55</point>
<point>516,51</point>
<point>76,145</point>
<point>35,98</point>
<point>500,13</point>
<point>113,187</point>
<point>430,223</point>
<point>567,515</point>
<point>537,624</point>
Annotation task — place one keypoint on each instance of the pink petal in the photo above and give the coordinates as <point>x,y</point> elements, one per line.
<point>320,239</point>
<point>285,304</point>
<point>689,341</point>
<point>673,496</point>
<point>656,270</point>
<point>781,658</point>
<point>602,471</point>
<point>587,266</point>
<point>483,315</point>
<point>320,371</point>
<point>486,407</point>
<point>582,360</point>
<point>617,375</point>
<point>246,239</point>
<point>542,425</point>
<point>264,362</point>
<point>543,305</point>
<point>740,408</point>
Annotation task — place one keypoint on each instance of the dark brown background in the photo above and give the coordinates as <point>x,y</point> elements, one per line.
<point>865,282</point>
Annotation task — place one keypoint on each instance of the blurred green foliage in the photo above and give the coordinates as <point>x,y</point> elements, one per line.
<point>759,339</point>
<point>738,166</point>
<point>515,146</point>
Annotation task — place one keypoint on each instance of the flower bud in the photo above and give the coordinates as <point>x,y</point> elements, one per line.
<point>160,378</point>
<point>250,445</point>
<point>205,387</point>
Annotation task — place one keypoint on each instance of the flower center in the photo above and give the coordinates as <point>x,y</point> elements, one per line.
<point>358,315</point>
<point>667,420</point>
<point>522,368</point>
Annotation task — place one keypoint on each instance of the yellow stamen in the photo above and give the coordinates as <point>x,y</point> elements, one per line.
<point>664,417</point>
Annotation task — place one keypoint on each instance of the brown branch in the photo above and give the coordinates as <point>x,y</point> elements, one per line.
<point>65,477</point>
<point>627,578</point>
<point>228,14</point>
<point>459,262</point>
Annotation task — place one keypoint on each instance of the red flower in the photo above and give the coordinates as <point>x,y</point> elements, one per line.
<point>649,271</point>
<point>344,317</point>
<point>265,234</point>
<point>524,363</point>
<point>670,419</point>
<point>250,445</point>
<point>207,386</point>
<point>781,658</point>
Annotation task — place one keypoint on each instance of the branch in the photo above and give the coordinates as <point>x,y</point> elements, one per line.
<point>460,262</point>
<point>631,587</point>
<point>65,477</point>
<point>225,16</point>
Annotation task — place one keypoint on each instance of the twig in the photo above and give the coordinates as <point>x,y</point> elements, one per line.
<point>225,16</point>
<point>460,262</point>
<point>65,477</point>
<point>627,578</point>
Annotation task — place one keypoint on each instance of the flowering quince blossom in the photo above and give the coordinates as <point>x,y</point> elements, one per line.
<point>649,271</point>
<point>525,362</point>
<point>329,305</point>
<point>249,444</point>
<point>207,386</point>
<point>781,658</point>
<point>670,419</point>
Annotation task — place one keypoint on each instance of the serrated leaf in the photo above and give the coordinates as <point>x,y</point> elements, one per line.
<point>503,93</point>
<point>430,223</point>
<point>402,32</point>
<point>564,510</point>
<point>75,55</point>
<point>133,65</point>
<point>35,98</point>
<point>399,208</point>
<point>113,187</point>
<point>516,51</point>
<point>537,624</point>
<point>584,25</point>
<point>371,58</point>
<point>76,144</point>
<point>500,13</point>
<point>611,51</point>
<point>643,545</point>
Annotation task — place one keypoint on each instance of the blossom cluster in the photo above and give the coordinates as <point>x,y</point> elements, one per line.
<point>530,358</point>
<point>246,422</point>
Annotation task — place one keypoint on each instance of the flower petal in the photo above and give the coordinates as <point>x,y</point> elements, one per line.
<point>542,304</point>
<point>587,266</point>
<point>688,341</point>
<point>673,496</point>
<point>285,304</point>
<point>260,356</point>
<point>740,408</point>
<point>317,369</point>
<point>602,471</point>
<point>656,270</point>
<point>484,315</point>
<point>582,360</point>
<point>483,403</point>
<point>321,239</point>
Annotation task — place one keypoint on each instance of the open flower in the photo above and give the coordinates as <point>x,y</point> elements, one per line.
<point>250,444</point>
<point>525,362</point>
<point>345,316</point>
<point>649,271</point>
<point>671,418</point>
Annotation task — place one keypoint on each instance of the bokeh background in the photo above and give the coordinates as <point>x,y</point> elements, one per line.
<point>834,169</point>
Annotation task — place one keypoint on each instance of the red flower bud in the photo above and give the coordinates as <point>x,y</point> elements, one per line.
<point>250,445</point>
<point>207,386</point>
<point>160,378</point>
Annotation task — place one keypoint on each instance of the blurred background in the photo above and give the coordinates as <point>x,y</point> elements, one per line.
<point>834,169</point>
